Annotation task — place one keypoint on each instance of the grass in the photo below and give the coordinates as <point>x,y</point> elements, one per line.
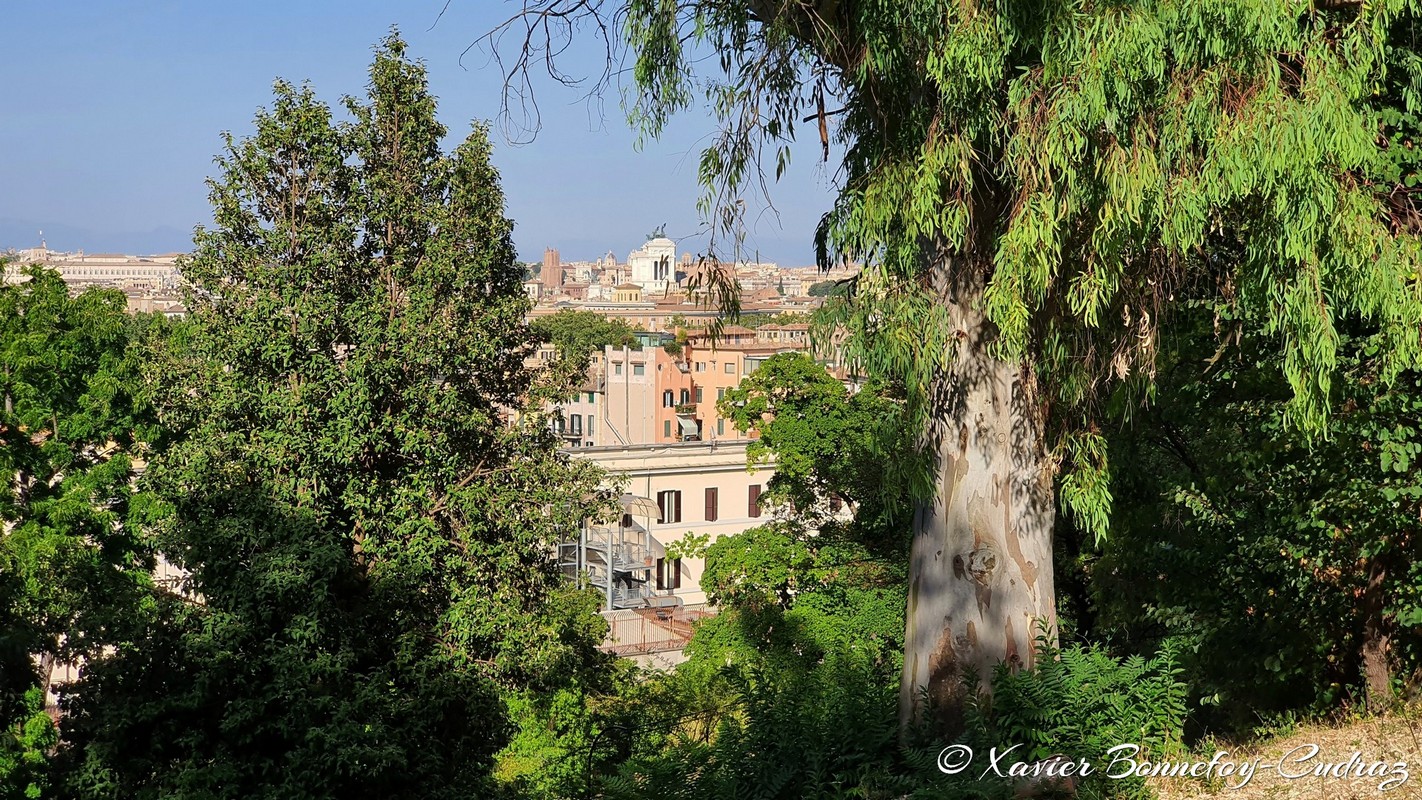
<point>1392,739</point>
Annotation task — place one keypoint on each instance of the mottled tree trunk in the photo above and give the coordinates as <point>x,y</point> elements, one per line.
<point>981,569</point>
<point>1377,669</point>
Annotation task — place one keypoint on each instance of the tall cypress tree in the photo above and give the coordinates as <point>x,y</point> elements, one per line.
<point>366,542</point>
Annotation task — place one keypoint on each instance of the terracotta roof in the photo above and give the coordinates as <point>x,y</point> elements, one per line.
<point>734,330</point>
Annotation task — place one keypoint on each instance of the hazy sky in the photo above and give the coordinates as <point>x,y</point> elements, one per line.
<point>110,115</point>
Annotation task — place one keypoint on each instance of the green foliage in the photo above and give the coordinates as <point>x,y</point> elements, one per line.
<point>1081,702</point>
<point>1069,166</point>
<point>1242,530</point>
<point>825,441</point>
<point>74,416</point>
<point>577,334</point>
<point>28,738</point>
<point>547,757</point>
<point>690,545</point>
<point>756,320</point>
<point>364,540</point>
<point>564,738</point>
<point>791,690</point>
<point>756,568</point>
<point>829,289</point>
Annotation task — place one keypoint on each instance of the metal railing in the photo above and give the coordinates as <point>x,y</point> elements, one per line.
<point>643,631</point>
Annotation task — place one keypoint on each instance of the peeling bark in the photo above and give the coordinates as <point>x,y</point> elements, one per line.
<point>1377,645</point>
<point>981,567</point>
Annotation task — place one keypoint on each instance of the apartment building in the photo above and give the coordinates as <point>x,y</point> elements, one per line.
<point>645,395</point>
<point>675,491</point>
<point>719,364</point>
<point>645,315</point>
<point>627,413</point>
<point>103,269</point>
<point>794,334</point>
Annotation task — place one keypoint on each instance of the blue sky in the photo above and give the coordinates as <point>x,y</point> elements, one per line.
<point>111,113</point>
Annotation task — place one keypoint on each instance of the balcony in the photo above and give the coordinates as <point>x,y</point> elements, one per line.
<point>685,409</point>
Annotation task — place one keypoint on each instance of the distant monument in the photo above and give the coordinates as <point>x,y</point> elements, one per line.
<point>552,275</point>
<point>650,266</point>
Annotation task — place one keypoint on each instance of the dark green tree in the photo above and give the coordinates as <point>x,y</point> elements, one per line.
<point>1027,185</point>
<point>74,422</point>
<point>1235,528</point>
<point>828,445</point>
<point>1297,546</point>
<point>365,540</point>
<point>577,334</point>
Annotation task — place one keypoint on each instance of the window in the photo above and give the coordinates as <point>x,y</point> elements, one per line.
<point>616,369</point>
<point>590,427</point>
<point>721,427</point>
<point>592,398</point>
<point>730,368</point>
<point>685,396</point>
<point>754,510</point>
<point>667,399</point>
<point>701,366</point>
<point>575,425</point>
<point>639,369</point>
<point>666,428</point>
<point>626,520</point>
<point>669,502</point>
<point>699,396</point>
<point>668,573</point>
<point>711,504</point>
<point>720,394</point>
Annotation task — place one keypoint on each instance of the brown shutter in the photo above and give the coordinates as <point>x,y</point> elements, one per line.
<point>663,511</point>
<point>675,573</point>
<point>711,504</point>
<point>661,570</point>
<point>754,509</point>
<point>677,497</point>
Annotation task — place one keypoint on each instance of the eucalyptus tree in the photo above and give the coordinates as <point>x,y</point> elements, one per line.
<point>1027,185</point>
<point>365,540</point>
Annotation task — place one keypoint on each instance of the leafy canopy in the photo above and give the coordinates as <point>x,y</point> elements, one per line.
<point>1075,162</point>
<point>74,419</point>
<point>577,334</point>
<point>1236,529</point>
<point>825,442</point>
<point>365,540</point>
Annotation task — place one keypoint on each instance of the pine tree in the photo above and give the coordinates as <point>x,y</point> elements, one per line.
<point>1026,185</point>
<point>366,541</point>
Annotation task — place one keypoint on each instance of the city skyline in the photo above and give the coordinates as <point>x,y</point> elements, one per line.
<point>117,115</point>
